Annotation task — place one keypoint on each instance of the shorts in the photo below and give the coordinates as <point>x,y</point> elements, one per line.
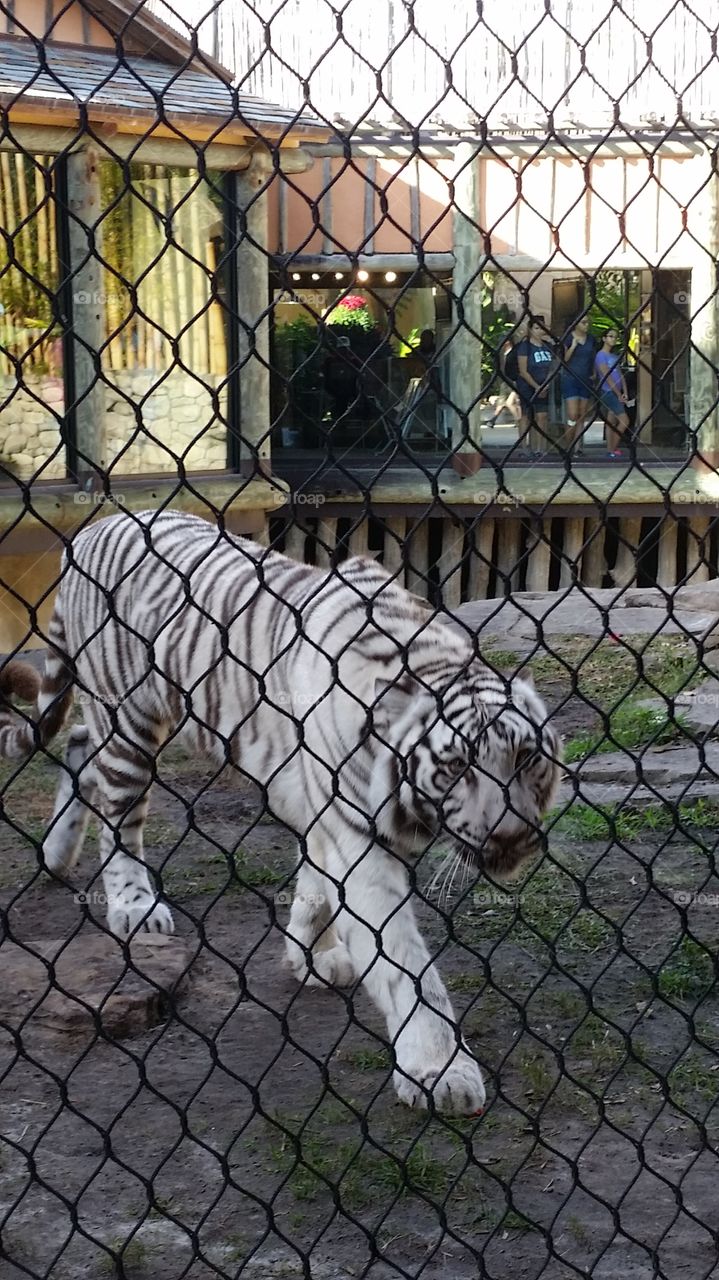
<point>611,402</point>
<point>531,399</point>
<point>574,388</point>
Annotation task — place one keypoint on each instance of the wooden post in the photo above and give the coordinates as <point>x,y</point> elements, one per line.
<point>295,541</point>
<point>394,546</point>
<point>594,563</point>
<point>252,303</point>
<point>698,550</point>
<point>465,351</point>
<point>704,350</point>
<point>645,359</point>
<point>625,569</point>
<point>450,563</point>
<point>359,535</point>
<point>508,545</point>
<point>667,570</point>
<point>418,558</point>
<point>83,189</point>
<point>540,556</point>
<point>480,560</point>
<point>569,573</point>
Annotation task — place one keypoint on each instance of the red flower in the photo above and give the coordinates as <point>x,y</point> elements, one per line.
<point>352,302</point>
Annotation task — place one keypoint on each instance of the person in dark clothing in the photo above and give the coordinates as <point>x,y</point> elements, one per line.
<point>537,367</point>
<point>578,352</point>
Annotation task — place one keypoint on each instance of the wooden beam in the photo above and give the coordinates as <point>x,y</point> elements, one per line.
<point>594,563</point>
<point>570,570</point>
<point>84,203</point>
<point>667,569</point>
<point>480,562</point>
<point>625,568</point>
<point>698,550</point>
<point>465,348</point>
<point>252,307</point>
<point>704,350</point>
<point>417,557</point>
<point>539,554</point>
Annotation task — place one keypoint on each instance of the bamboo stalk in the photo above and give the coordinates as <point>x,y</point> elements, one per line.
<point>325,542</point>
<point>200,290</point>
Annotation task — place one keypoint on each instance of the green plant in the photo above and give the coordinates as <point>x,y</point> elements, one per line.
<point>351,312</point>
<point>631,726</point>
<point>688,973</point>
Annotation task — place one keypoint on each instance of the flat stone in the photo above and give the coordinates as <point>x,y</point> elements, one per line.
<point>90,982</point>
<point>655,765</point>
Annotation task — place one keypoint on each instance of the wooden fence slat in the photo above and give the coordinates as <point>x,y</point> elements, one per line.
<point>417,558</point>
<point>295,541</point>
<point>667,569</point>
<point>594,564</point>
<point>625,569</point>
<point>325,542</point>
<point>450,563</point>
<point>508,545</point>
<point>540,556</point>
<point>570,570</point>
<point>480,561</point>
<point>394,545</point>
<point>698,550</point>
<point>359,538</point>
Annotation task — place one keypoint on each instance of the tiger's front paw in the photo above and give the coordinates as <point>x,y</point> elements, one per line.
<point>457,1088</point>
<point>147,915</point>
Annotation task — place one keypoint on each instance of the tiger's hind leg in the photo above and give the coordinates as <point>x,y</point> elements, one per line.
<point>124,771</point>
<point>315,954</point>
<point>77,785</point>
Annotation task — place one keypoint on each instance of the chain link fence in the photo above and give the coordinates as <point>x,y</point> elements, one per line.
<point>358,492</point>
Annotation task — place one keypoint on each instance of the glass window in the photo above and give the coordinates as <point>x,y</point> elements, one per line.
<point>347,361</point>
<point>165,358</point>
<point>31,382</point>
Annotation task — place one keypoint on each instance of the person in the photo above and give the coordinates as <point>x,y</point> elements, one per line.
<point>612,390</point>
<point>536,361</point>
<point>509,371</point>
<point>578,352</point>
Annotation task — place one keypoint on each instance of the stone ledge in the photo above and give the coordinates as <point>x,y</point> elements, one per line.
<point>89,983</point>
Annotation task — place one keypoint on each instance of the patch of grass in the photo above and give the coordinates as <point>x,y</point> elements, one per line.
<point>537,1073</point>
<point>693,1077</point>
<point>605,673</point>
<point>248,871</point>
<point>469,982</point>
<point>688,973</point>
<point>501,658</point>
<point>513,1221</point>
<point>625,822</point>
<point>368,1059</point>
<point>630,728</point>
<point>579,1230</point>
<point>598,1047</point>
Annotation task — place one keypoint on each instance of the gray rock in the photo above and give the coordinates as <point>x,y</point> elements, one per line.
<point>93,985</point>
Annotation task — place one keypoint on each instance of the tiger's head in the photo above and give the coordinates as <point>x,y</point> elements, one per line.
<point>470,758</point>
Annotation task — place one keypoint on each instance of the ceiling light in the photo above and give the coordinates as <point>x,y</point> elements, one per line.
<point>315,275</point>
<point>362,276</point>
<point>390,276</point>
<point>339,275</point>
<point>296,275</point>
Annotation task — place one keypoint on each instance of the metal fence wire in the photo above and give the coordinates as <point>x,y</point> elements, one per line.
<point>358,494</point>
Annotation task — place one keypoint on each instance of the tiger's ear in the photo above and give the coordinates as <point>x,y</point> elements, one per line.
<point>527,675</point>
<point>394,696</point>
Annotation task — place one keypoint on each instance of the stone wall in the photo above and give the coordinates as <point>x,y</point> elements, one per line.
<point>29,428</point>
<point>150,423</point>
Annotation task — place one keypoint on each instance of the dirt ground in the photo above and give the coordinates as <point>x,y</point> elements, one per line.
<point>255,1131</point>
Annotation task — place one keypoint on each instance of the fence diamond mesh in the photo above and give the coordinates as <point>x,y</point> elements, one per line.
<point>358,705</point>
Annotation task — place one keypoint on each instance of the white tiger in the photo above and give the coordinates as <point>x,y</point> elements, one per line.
<point>173,624</point>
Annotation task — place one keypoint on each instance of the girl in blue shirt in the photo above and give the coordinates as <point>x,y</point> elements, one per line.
<point>612,392</point>
<point>578,352</point>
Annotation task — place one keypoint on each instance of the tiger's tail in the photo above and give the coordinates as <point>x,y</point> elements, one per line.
<point>53,696</point>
